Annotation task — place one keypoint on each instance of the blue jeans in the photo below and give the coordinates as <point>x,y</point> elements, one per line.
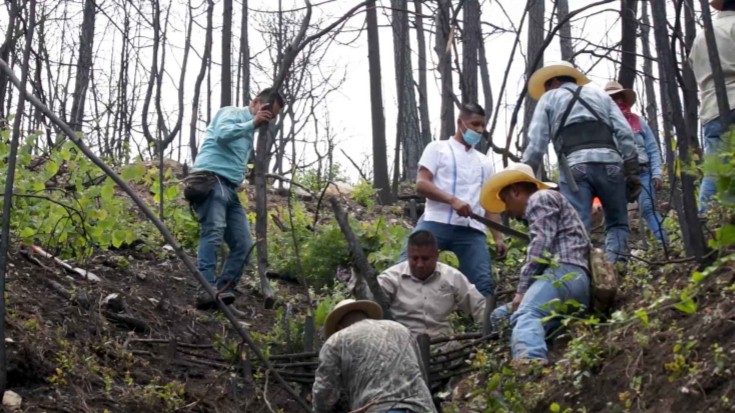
<point>222,217</point>
<point>528,339</point>
<point>607,182</point>
<point>713,145</point>
<point>647,204</point>
<point>470,247</point>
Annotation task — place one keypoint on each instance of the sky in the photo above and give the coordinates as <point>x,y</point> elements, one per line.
<point>346,110</point>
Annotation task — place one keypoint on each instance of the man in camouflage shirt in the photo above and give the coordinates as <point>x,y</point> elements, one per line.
<point>371,363</point>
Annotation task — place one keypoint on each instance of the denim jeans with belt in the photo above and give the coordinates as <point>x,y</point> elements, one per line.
<point>555,285</point>
<point>713,145</point>
<point>470,247</point>
<point>607,182</point>
<point>222,217</point>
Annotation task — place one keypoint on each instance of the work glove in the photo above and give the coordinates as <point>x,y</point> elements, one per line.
<point>633,185</point>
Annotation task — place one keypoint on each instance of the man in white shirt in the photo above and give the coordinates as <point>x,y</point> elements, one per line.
<point>709,116</point>
<point>423,292</point>
<point>451,174</point>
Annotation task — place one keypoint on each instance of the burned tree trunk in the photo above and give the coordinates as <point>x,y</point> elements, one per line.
<point>689,81</point>
<point>381,181</point>
<point>535,47</point>
<point>723,103</point>
<point>470,46</point>
<point>226,80</point>
<point>244,55</point>
<point>84,65</point>
<point>6,48</point>
<point>694,242</point>
<point>206,56</point>
<point>407,127</point>
<point>565,31</point>
<point>422,86</point>
<point>628,12</point>
<point>651,106</point>
<point>443,53</point>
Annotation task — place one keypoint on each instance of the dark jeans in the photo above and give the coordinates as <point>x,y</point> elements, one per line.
<point>605,181</point>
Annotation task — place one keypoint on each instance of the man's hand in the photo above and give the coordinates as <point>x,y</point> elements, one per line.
<point>262,117</point>
<point>516,301</point>
<point>463,208</point>
<point>500,248</point>
<point>658,184</point>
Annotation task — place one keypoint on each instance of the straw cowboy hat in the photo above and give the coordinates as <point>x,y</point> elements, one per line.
<point>613,88</point>
<point>551,70</point>
<point>513,174</point>
<point>370,308</point>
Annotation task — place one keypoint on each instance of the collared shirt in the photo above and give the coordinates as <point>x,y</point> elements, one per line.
<point>460,172</point>
<point>547,118</point>
<point>227,144</point>
<point>649,152</point>
<point>724,29</point>
<point>424,306</point>
<point>372,360</point>
<point>556,233</point>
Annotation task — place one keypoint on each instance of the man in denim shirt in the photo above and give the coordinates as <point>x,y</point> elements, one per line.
<point>224,155</point>
<point>649,157</point>
<point>594,145</point>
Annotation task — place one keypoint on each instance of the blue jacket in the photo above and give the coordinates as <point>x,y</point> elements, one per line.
<point>227,144</point>
<point>648,150</point>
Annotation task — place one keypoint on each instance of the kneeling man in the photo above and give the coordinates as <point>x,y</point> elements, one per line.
<point>557,262</point>
<point>423,292</point>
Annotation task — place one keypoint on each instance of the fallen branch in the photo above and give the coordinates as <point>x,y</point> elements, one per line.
<point>360,259</point>
<point>132,322</point>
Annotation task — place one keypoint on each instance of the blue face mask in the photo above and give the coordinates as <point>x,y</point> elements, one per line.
<point>471,137</point>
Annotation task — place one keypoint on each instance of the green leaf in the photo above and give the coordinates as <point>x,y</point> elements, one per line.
<point>134,172</point>
<point>643,316</point>
<point>107,192</point>
<point>51,168</point>
<point>555,408</point>
<point>172,192</point>
<point>687,305</point>
<point>38,186</point>
<point>118,237</point>
<point>27,232</point>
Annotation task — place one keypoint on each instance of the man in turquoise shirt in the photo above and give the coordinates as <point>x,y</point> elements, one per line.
<point>223,156</point>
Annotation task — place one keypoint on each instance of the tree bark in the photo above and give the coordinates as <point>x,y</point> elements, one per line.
<point>422,86</point>
<point>487,92</point>
<point>443,53</point>
<point>10,177</point>
<point>565,31</point>
<point>5,49</point>
<point>381,180</point>
<point>206,56</point>
<point>651,106</point>
<point>694,242</point>
<point>407,127</point>
<point>245,53</point>
<point>226,81</point>
<point>629,26</point>
<point>536,11</point>
<point>470,45</point>
<point>84,65</point>
<point>689,81</point>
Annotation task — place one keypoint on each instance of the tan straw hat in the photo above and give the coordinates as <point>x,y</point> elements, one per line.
<point>551,70</point>
<point>513,174</point>
<point>613,88</point>
<point>370,308</point>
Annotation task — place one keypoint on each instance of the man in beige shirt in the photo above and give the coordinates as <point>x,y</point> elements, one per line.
<point>423,292</point>
<point>709,115</point>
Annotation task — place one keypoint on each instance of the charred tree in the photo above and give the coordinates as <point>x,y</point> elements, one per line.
<point>628,39</point>
<point>565,31</point>
<point>443,52</point>
<point>381,180</point>
<point>422,85</point>
<point>206,57</point>
<point>84,65</point>
<point>226,80</point>
<point>535,48</point>
<point>471,39</point>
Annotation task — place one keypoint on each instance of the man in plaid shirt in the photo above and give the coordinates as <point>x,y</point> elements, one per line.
<point>554,278</point>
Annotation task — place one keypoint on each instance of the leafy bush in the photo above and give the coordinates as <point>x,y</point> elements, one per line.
<point>364,194</point>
